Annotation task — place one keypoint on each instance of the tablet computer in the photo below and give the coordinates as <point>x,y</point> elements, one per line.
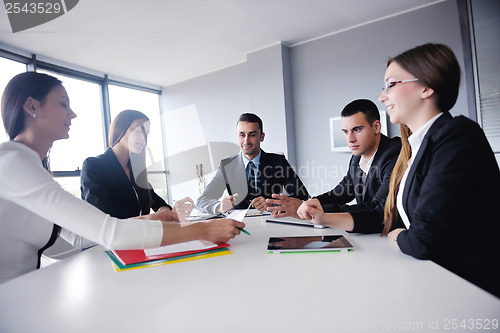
<point>294,221</point>
<point>321,243</point>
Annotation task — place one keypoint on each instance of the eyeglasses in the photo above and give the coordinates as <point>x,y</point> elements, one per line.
<point>389,85</point>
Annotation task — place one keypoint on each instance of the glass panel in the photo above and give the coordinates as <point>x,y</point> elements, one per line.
<point>486,18</point>
<point>158,181</point>
<point>86,133</point>
<point>70,184</point>
<point>8,69</point>
<point>120,99</point>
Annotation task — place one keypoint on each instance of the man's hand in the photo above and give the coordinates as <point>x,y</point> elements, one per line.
<point>227,203</point>
<point>260,203</point>
<point>282,206</point>
<point>311,210</point>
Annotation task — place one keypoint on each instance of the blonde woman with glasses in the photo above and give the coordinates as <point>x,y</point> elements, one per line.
<point>445,186</point>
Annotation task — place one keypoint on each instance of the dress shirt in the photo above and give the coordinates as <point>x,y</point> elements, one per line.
<point>365,166</point>
<point>255,161</point>
<point>415,141</point>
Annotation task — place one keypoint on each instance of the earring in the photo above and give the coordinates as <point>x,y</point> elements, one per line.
<point>33,115</point>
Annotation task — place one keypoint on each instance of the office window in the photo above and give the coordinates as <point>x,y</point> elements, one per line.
<point>486,24</point>
<point>122,98</point>
<point>8,69</point>
<point>86,136</point>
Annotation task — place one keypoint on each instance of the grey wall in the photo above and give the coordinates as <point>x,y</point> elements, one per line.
<point>321,76</point>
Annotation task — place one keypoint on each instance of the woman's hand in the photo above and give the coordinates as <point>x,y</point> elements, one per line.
<point>221,230</point>
<point>215,231</point>
<point>183,208</point>
<point>164,215</point>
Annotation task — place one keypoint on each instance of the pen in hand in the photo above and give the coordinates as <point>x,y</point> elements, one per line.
<point>238,215</point>
<point>243,230</point>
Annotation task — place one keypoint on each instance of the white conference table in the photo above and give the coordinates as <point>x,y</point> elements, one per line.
<point>374,288</point>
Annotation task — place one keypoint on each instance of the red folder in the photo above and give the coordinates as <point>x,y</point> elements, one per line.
<point>128,257</point>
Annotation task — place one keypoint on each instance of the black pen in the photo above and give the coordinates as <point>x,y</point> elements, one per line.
<point>225,180</point>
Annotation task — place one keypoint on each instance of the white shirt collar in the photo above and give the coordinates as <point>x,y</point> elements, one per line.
<point>416,138</point>
<point>255,161</point>
<point>366,166</point>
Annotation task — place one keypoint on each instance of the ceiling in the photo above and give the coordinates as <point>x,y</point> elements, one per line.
<point>165,42</point>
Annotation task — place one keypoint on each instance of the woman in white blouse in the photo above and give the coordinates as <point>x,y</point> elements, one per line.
<point>36,112</point>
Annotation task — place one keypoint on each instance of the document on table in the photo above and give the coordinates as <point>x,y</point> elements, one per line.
<point>181,247</point>
<point>237,215</point>
<point>256,212</point>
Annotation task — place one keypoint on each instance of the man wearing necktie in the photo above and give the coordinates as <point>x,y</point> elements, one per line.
<point>366,181</point>
<point>251,176</point>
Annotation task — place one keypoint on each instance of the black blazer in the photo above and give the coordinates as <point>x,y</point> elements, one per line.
<point>105,185</point>
<point>368,213</point>
<point>451,197</point>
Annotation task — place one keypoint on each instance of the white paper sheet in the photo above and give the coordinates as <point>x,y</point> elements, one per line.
<point>181,247</point>
<point>237,214</point>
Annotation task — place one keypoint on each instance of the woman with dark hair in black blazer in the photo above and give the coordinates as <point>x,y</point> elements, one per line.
<point>445,186</point>
<point>116,182</point>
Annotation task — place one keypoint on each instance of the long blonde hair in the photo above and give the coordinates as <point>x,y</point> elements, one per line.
<point>435,66</point>
<point>390,210</point>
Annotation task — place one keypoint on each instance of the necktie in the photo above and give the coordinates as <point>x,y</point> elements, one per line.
<point>252,185</point>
